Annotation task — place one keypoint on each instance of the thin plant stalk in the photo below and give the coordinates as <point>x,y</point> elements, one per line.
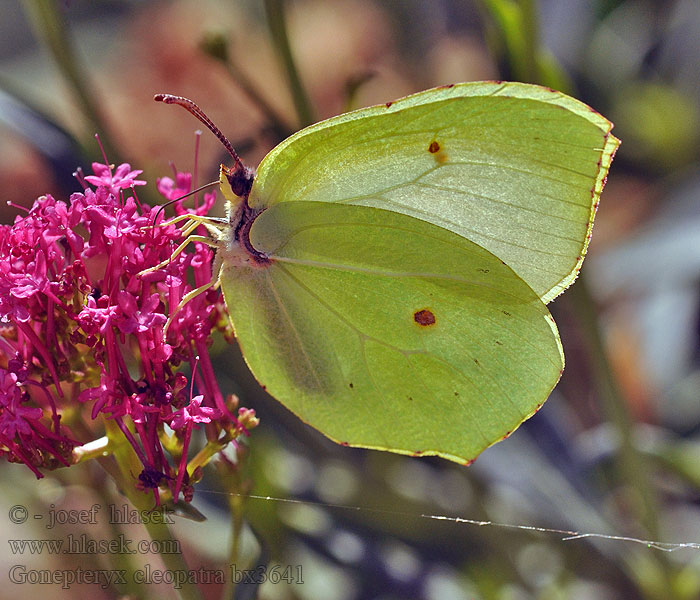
<point>102,451</point>
<point>216,46</point>
<point>236,510</point>
<point>121,561</point>
<point>277,123</point>
<point>631,467</point>
<point>531,36</point>
<point>49,25</point>
<point>173,561</point>
<point>630,464</point>
<point>274,9</point>
<point>237,485</point>
<point>127,464</point>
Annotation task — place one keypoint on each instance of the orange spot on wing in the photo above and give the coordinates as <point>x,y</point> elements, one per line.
<point>437,151</point>
<point>424,317</point>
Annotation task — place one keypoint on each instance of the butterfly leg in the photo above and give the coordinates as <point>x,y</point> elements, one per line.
<point>200,219</point>
<point>215,282</point>
<point>191,238</point>
<point>186,298</point>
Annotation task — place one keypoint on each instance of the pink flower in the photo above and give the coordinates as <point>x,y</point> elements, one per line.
<point>122,178</point>
<point>172,190</point>
<point>138,320</point>
<point>14,418</point>
<point>80,314</point>
<point>193,413</point>
<point>22,437</point>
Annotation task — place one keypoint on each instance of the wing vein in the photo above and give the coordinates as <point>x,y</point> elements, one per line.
<point>504,202</point>
<point>284,311</point>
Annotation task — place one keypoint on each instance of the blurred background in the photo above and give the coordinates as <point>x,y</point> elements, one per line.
<point>615,450</point>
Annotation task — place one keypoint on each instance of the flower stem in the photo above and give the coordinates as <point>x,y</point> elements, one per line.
<point>119,560</point>
<point>630,465</point>
<point>204,455</point>
<point>126,459</point>
<point>277,123</point>
<point>50,26</point>
<point>216,46</point>
<point>235,481</point>
<point>654,576</point>
<point>174,561</point>
<point>531,36</point>
<point>278,30</point>
<point>94,449</point>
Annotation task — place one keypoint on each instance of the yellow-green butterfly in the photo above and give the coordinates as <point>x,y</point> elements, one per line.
<point>386,271</point>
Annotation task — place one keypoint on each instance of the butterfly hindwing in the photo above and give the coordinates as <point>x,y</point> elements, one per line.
<point>385,331</point>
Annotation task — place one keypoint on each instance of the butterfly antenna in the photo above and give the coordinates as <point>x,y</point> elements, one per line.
<point>191,107</point>
<point>240,177</point>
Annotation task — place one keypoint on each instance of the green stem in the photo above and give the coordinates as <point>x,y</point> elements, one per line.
<point>274,10</point>
<point>504,29</point>
<point>531,39</point>
<point>25,100</point>
<point>95,449</point>
<point>204,455</point>
<point>631,467</point>
<point>101,451</point>
<point>655,578</point>
<point>237,484</point>
<point>173,561</point>
<point>50,26</point>
<point>126,464</point>
<point>280,129</point>
<point>236,511</point>
<point>121,561</point>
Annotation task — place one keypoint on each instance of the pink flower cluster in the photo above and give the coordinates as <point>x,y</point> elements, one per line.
<point>81,326</point>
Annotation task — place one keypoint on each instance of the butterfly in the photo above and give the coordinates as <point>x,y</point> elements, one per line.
<point>387,270</point>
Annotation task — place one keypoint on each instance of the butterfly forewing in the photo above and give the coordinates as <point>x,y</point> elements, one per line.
<point>515,168</point>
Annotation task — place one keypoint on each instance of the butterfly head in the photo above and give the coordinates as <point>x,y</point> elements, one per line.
<point>236,181</point>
